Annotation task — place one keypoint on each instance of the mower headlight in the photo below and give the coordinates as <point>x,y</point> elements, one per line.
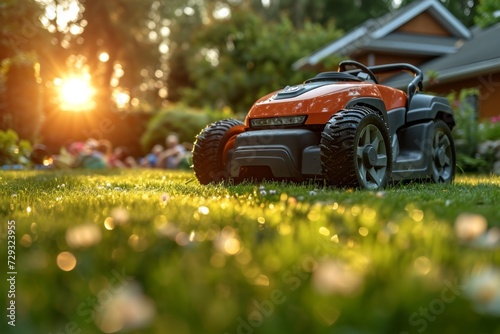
<point>277,121</point>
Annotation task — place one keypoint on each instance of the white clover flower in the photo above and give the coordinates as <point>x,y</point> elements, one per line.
<point>336,277</point>
<point>489,240</point>
<point>120,215</point>
<point>469,226</point>
<point>483,288</point>
<point>126,309</point>
<point>82,236</point>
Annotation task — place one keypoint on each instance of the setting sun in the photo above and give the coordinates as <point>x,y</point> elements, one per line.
<point>76,93</point>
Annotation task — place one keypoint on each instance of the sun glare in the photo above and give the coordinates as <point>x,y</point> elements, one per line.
<point>76,94</point>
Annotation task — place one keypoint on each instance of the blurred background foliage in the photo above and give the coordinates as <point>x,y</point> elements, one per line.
<point>186,122</point>
<point>12,150</point>
<point>258,57</point>
<point>477,141</point>
<point>133,59</point>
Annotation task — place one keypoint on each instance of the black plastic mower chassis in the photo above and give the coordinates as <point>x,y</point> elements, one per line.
<point>295,154</point>
<point>286,153</point>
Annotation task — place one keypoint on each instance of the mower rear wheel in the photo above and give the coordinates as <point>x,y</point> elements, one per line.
<point>443,154</point>
<point>355,150</point>
<point>210,151</point>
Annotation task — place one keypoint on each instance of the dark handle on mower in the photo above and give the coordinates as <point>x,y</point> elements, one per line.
<point>415,84</point>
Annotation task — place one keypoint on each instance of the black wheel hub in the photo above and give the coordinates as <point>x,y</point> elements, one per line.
<point>440,156</point>
<point>369,156</point>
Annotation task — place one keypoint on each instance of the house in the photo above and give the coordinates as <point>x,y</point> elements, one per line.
<point>476,64</point>
<point>425,34</point>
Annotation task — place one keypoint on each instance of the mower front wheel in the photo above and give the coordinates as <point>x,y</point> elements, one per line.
<point>210,151</point>
<point>355,150</point>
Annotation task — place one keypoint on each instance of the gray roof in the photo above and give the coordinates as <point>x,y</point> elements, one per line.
<point>477,56</point>
<point>378,34</point>
<point>414,44</point>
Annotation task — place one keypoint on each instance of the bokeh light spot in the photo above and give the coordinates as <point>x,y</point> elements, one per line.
<point>417,215</point>
<point>103,57</point>
<point>284,229</point>
<point>262,280</point>
<point>422,265</point>
<point>204,210</point>
<point>313,215</point>
<point>363,231</point>
<point>355,210</point>
<point>109,224</point>
<point>26,240</point>
<point>182,239</point>
<point>324,231</point>
<point>66,261</point>
<point>232,246</point>
<point>137,242</point>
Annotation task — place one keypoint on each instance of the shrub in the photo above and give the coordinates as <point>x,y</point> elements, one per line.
<point>12,150</point>
<point>490,129</point>
<point>186,122</point>
<point>466,131</point>
<point>475,141</point>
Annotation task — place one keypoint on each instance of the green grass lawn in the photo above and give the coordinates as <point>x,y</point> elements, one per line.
<point>138,251</point>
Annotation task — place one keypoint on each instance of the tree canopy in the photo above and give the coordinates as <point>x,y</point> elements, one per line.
<point>145,54</point>
<point>488,13</point>
<point>344,14</point>
<point>236,60</point>
<point>20,29</point>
